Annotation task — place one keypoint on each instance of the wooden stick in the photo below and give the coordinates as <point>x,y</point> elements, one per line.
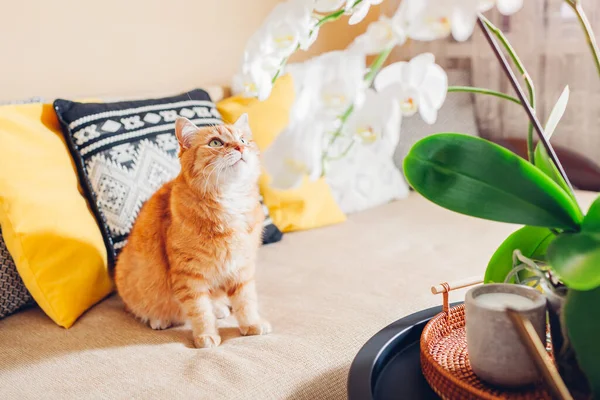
<point>521,95</point>
<point>540,357</point>
<point>446,287</point>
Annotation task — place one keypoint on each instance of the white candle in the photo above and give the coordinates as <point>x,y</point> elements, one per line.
<point>501,301</point>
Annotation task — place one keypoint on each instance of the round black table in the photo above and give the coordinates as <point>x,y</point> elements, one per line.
<point>388,366</point>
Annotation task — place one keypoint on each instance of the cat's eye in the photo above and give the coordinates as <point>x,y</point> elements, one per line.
<point>243,140</point>
<point>215,143</point>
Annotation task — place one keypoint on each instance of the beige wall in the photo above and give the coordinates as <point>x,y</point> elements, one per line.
<point>75,48</point>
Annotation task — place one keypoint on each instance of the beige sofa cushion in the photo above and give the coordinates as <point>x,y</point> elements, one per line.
<point>326,292</point>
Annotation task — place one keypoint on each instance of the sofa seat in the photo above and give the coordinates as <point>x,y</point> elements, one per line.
<point>326,292</point>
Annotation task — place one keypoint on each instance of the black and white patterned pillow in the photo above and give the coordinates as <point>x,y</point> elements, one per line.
<point>125,151</point>
<point>13,293</point>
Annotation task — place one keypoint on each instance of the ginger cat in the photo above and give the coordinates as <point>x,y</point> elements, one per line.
<point>195,240</point>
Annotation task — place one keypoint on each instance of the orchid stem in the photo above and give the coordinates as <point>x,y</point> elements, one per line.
<point>375,67</point>
<point>587,29</point>
<point>330,18</point>
<point>489,92</point>
<point>279,70</point>
<point>526,77</point>
<point>334,137</point>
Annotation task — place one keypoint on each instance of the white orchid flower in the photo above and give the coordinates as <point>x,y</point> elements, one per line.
<point>506,7</point>
<point>327,6</point>
<point>256,75</point>
<point>381,35</point>
<point>364,176</point>
<point>435,19</point>
<point>252,85</point>
<point>336,82</point>
<point>426,20</point>
<point>253,82</point>
<point>328,84</point>
<point>308,39</point>
<point>296,153</point>
<point>360,11</point>
<point>463,15</point>
<point>379,113</point>
<point>419,85</point>
<point>509,7</point>
<point>289,25</point>
<point>307,78</point>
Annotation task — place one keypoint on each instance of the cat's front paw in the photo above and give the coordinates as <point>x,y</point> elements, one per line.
<point>261,328</point>
<point>221,310</point>
<point>206,341</point>
<point>159,324</point>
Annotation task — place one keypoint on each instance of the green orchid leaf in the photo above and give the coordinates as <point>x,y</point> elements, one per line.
<point>582,318</point>
<point>541,158</point>
<point>531,240</point>
<point>575,257</point>
<point>473,176</point>
<point>591,221</point>
<point>557,113</point>
<point>543,161</point>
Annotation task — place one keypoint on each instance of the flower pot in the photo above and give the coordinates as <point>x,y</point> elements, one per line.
<point>564,354</point>
<point>555,304</point>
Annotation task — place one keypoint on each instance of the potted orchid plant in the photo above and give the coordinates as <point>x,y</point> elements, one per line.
<point>346,104</point>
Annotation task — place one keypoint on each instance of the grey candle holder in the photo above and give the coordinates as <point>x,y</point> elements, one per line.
<point>496,352</point>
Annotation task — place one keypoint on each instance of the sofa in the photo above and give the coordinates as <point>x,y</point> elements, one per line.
<point>326,292</point>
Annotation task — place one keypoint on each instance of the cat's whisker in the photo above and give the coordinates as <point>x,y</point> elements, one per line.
<point>219,165</point>
<point>207,178</point>
<point>203,176</point>
<point>219,172</point>
<point>217,168</point>
<point>209,165</point>
<point>207,181</point>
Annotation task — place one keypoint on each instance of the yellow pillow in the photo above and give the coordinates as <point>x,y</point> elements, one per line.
<point>47,226</point>
<point>312,204</point>
<point>309,206</point>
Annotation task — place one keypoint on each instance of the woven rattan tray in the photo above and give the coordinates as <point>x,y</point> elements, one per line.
<point>445,361</point>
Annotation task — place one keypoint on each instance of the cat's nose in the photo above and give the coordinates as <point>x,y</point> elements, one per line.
<point>238,148</point>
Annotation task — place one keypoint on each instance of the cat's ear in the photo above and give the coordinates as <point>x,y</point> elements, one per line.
<point>185,131</point>
<point>242,122</point>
